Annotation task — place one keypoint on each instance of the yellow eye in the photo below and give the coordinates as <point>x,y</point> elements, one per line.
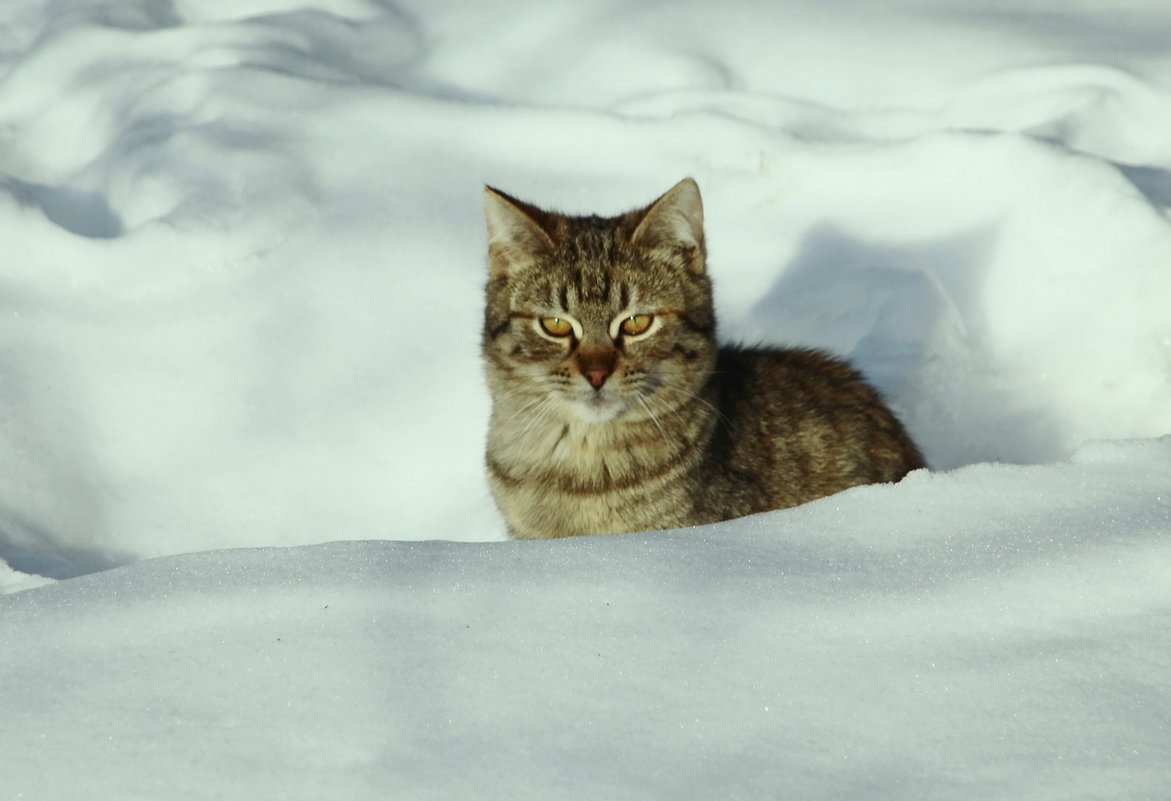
<point>556,326</point>
<point>638,324</point>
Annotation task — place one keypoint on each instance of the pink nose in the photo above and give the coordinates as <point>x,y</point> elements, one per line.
<point>597,364</point>
<point>597,377</point>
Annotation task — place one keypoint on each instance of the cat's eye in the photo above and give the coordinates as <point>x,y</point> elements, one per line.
<point>637,324</point>
<point>556,326</point>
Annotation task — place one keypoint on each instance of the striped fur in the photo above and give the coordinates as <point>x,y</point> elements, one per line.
<point>680,431</point>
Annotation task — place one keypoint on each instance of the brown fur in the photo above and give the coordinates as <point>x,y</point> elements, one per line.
<point>599,431</point>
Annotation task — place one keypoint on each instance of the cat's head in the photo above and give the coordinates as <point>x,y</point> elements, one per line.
<point>598,318</point>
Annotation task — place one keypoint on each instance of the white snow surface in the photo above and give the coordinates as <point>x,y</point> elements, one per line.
<point>246,542</point>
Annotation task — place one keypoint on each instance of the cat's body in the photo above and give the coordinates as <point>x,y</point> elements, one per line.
<point>613,408</point>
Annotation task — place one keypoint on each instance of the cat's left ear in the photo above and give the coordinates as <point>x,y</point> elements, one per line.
<point>515,233</point>
<point>675,221</point>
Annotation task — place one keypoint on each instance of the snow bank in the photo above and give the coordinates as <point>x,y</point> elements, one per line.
<point>995,632</point>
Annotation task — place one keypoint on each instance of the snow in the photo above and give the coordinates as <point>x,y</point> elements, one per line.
<point>999,630</point>
<point>244,532</point>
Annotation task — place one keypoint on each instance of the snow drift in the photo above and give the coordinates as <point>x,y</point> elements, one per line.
<point>999,631</point>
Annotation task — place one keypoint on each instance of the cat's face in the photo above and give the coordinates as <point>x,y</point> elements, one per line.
<point>598,319</point>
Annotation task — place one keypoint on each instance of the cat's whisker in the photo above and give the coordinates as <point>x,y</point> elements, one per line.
<point>522,413</point>
<point>525,408</point>
<point>538,417</point>
<point>719,414</point>
<point>663,406</point>
<point>654,418</point>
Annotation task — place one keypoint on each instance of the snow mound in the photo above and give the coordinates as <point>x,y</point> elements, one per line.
<point>971,637</point>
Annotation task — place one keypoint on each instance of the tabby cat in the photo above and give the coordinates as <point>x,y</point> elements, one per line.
<point>613,408</point>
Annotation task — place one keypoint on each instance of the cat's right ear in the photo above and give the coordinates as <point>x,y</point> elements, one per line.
<point>515,237</point>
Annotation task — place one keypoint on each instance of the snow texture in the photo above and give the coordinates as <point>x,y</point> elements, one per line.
<point>246,541</point>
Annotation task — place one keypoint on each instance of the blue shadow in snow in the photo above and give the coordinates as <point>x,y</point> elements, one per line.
<point>78,211</point>
<point>913,318</point>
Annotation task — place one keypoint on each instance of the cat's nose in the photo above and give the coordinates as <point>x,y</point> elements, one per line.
<point>597,377</point>
<point>597,365</point>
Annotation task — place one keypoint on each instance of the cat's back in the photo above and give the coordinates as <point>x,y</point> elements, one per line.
<point>795,424</point>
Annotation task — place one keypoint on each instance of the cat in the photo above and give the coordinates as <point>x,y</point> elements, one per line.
<point>614,409</point>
